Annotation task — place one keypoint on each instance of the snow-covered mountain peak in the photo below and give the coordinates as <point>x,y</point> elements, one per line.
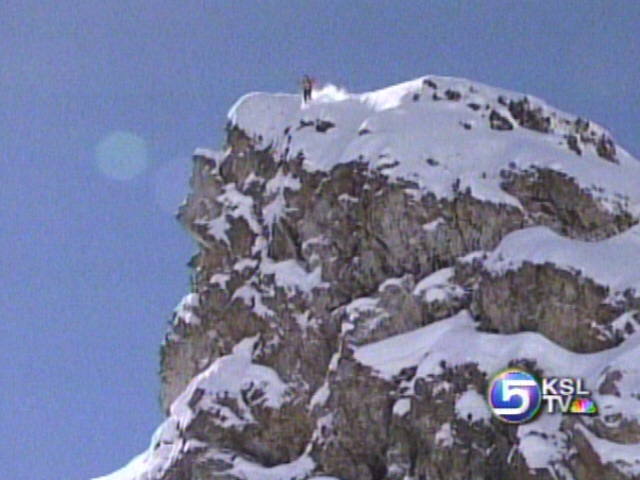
<point>368,262</point>
<point>444,134</point>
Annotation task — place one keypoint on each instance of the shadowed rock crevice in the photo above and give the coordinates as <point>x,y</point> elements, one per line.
<point>555,200</point>
<point>563,306</point>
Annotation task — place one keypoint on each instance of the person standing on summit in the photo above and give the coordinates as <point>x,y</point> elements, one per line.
<point>307,86</point>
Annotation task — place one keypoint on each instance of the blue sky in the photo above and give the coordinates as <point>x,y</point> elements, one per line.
<point>92,261</point>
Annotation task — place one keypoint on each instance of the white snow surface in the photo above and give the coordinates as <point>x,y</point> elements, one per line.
<point>457,341</point>
<point>614,262</point>
<point>321,396</point>
<point>472,406</point>
<point>235,205</point>
<point>444,436</point>
<point>292,276</point>
<point>438,287</point>
<point>229,375</point>
<point>625,457</point>
<point>402,407</point>
<point>541,442</point>
<point>253,298</point>
<point>396,134</point>
<point>298,469</point>
<point>184,311</point>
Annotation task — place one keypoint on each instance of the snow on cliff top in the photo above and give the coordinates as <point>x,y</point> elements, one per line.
<point>613,263</point>
<point>397,129</point>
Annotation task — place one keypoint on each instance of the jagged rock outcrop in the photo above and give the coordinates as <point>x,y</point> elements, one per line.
<point>574,314</point>
<point>367,262</point>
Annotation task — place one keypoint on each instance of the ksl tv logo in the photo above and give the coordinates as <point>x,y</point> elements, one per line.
<point>515,396</point>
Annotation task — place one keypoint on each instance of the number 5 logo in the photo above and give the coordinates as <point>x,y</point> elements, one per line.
<point>510,390</point>
<point>514,396</point>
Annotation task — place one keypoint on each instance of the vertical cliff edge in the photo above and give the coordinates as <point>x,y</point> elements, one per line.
<point>367,262</point>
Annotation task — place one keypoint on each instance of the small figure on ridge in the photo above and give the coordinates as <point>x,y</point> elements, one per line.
<point>307,86</point>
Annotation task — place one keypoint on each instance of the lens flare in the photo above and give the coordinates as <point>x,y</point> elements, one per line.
<point>122,156</point>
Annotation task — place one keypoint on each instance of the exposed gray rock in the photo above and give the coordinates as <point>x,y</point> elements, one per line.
<point>555,200</point>
<point>498,122</point>
<point>529,117</point>
<point>563,306</point>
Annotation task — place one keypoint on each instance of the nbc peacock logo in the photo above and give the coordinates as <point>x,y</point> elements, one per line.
<point>585,406</point>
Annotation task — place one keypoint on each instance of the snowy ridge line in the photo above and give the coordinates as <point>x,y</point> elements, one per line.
<point>400,128</point>
<point>426,347</point>
<point>613,262</point>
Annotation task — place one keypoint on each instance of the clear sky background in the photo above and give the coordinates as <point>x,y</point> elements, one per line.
<point>92,261</point>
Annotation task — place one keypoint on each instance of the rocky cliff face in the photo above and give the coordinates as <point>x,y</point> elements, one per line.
<point>367,262</point>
